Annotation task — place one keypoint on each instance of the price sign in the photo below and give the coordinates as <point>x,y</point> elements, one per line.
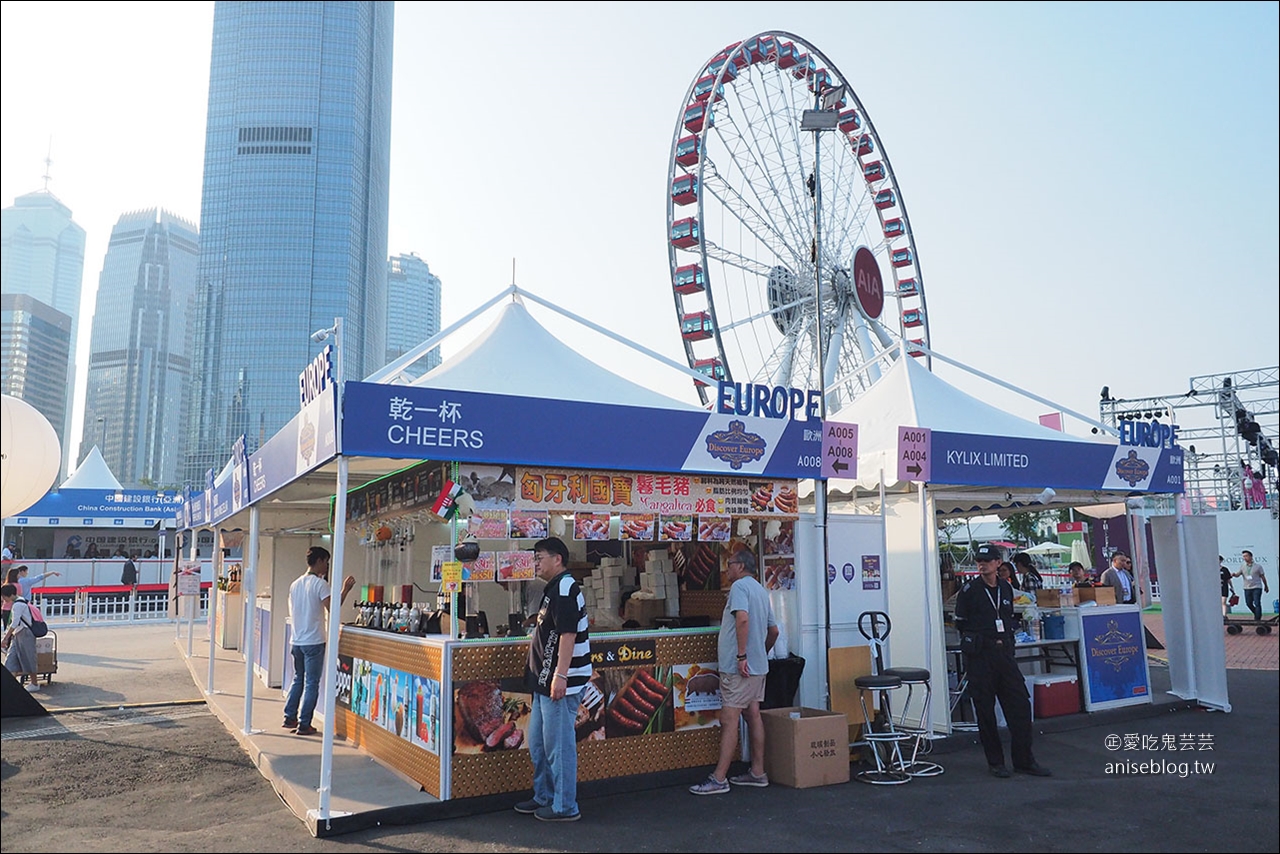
<point>451,575</point>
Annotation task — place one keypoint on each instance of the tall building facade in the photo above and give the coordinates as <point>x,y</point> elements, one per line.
<point>293,218</point>
<point>413,310</point>
<point>139,367</point>
<point>42,256</point>
<point>35,350</point>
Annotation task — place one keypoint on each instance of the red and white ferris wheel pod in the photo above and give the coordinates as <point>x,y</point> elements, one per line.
<point>741,232</point>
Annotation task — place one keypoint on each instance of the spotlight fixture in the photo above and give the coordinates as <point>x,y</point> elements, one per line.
<point>1106,392</point>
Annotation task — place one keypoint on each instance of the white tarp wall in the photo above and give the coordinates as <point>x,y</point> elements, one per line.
<point>1192,608</point>
<point>855,548</point>
<point>915,595</point>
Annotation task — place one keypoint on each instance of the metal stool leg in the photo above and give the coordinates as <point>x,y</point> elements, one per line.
<point>884,743</point>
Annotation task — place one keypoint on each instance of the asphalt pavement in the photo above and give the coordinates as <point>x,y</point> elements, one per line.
<point>132,759</point>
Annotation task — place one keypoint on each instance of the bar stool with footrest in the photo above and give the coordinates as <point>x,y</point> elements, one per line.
<point>913,720</point>
<point>886,741</point>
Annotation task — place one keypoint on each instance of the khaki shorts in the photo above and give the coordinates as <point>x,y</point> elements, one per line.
<point>739,692</point>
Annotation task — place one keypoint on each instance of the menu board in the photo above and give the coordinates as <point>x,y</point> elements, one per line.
<point>516,566</point>
<point>489,524</point>
<point>635,492</point>
<point>529,524</point>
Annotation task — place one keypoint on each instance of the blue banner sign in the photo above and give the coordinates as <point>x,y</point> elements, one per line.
<point>308,441</point>
<point>962,458</point>
<point>128,508</point>
<point>419,423</point>
<point>1115,657</point>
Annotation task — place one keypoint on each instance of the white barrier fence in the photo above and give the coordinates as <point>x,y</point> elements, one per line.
<point>89,591</point>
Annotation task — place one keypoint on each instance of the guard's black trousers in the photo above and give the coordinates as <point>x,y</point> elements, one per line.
<point>993,674</point>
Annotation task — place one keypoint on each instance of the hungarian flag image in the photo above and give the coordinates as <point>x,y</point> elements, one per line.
<point>444,505</point>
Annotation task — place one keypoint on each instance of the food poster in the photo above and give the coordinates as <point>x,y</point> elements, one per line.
<point>715,529</point>
<point>377,710</point>
<point>638,701</point>
<point>779,574</point>
<point>529,525</point>
<point>779,538</point>
<point>425,730</point>
<point>583,491</point>
<point>346,676</point>
<point>416,486</point>
<point>675,529</point>
<point>591,526</point>
<point>361,685</point>
<point>589,725</point>
<point>489,524</point>
<point>637,526</point>
<point>490,487</point>
<point>483,568</point>
<point>490,715</point>
<point>440,555</point>
<point>697,695</point>
<point>399,705</point>
<point>697,565</point>
<point>516,566</point>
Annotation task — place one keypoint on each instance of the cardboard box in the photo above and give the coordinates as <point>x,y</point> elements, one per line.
<point>1101,595</point>
<point>846,663</point>
<point>1055,598</point>
<point>45,662</point>
<point>643,611</point>
<point>805,751</point>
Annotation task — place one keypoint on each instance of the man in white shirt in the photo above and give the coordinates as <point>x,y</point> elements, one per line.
<point>309,599</point>
<point>1255,583</point>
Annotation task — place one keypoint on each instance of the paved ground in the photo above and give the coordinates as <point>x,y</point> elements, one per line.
<point>170,777</point>
<point>1245,651</point>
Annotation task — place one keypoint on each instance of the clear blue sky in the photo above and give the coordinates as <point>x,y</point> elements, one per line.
<point>1093,188</point>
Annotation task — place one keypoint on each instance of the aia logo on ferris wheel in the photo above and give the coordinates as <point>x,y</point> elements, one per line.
<point>867,283</point>
<point>736,446</point>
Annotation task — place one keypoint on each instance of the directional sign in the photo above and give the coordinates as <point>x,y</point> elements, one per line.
<point>839,449</point>
<point>914,453</point>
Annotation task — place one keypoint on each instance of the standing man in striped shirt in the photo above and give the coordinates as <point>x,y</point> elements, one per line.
<point>559,666</point>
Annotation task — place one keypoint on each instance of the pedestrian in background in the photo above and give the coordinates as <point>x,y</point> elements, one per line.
<point>1031,578</point>
<point>1228,589</point>
<point>1255,583</point>
<point>20,577</point>
<point>1119,578</point>
<point>747,633</point>
<point>309,597</point>
<point>1080,577</point>
<point>557,669</point>
<point>18,639</point>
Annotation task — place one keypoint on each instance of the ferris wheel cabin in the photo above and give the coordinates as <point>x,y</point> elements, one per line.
<point>873,171</point>
<point>684,233</point>
<point>820,81</point>
<point>684,189</point>
<point>696,326</point>
<point>689,279</point>
<point>849,121</point>
<point>787,55</point>
<point>702,89</point>
<point>761,48</point>
<point>912,318</point>
<point>913,347</point>
<point>908,288</point>
<point>713,368</point>
<point>687,150</point>
<point>805,67</point>
<point>894,228</point>
<point>901,257</point>
<point>886,199</point>
<point>695,115</point>
<point>714,66</point>
<point>863,144</point>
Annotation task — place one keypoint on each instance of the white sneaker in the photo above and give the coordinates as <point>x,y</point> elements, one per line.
<point>33,686</point>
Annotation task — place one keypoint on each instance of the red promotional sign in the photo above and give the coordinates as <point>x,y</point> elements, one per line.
<point>867,282</point>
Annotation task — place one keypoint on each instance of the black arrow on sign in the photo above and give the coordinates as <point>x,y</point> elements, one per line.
<point>914,469</point>
<point>839,466</point>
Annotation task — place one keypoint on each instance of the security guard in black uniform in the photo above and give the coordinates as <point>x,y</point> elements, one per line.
<point>985,618</point>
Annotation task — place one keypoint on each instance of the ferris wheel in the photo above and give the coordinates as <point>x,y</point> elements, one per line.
<point>745,182</point>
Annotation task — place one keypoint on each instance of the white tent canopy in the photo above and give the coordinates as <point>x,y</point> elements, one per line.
<point>1048,549</point>
<point>516,355</point>
<point>93,473</point>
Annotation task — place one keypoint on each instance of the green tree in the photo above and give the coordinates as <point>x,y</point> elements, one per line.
<point>1024,528</point>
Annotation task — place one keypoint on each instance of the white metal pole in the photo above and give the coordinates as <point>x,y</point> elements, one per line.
<point>195,601</point>
<point>1185,574</point>
<point>213,609</point>
<point>249,587</point>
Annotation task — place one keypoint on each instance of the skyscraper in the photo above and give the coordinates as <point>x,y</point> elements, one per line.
<point>42,256</point>
<point>139,367</point>
<point>413,310</point>
<point>293,218</point>
<point>35,350</point>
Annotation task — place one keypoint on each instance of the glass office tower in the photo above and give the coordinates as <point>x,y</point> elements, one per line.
<point>293,218</point>
<point>413,310</point>
<point>139,368</point>
<point>42,256</point>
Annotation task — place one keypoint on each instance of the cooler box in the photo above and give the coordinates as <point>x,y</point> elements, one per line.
<point>1056,695</point>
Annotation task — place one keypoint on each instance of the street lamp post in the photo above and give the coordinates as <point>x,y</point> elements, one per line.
<point>817,121</point>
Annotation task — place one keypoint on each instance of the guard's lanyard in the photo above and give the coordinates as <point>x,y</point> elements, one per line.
<point>994,600</point>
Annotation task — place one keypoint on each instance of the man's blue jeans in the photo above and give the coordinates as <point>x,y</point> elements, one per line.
<point>554,751</point>
<point>307,662</point>
<point>1253,599</point>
